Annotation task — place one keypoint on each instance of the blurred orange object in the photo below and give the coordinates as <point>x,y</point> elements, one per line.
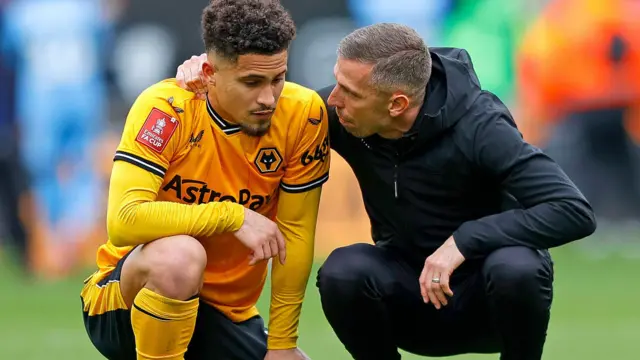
<point>579,55</point>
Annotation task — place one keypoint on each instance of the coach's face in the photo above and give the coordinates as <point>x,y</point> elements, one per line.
<point>362,112</point>
<point>246,91</point>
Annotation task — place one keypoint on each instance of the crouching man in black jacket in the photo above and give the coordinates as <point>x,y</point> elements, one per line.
<point>462,209</point>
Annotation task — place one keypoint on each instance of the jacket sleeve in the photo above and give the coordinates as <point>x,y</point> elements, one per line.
<point>553,212</point>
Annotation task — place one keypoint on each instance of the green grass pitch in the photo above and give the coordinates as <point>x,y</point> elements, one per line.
<point>596,314</point>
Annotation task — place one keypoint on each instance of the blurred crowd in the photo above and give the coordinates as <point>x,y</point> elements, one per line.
<point>70,69</point>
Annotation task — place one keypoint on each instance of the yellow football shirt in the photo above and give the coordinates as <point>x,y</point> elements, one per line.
<point>178,157</point>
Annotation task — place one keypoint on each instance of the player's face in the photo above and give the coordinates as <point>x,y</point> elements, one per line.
<point>246,92</point>
<point>362,112</point>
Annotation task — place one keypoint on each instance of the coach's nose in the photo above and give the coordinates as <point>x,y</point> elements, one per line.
<point>335,99</point>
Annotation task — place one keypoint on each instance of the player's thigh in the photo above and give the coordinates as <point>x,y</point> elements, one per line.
<point>133,277</point>
<point>107,318</point>
<point>217,337</point>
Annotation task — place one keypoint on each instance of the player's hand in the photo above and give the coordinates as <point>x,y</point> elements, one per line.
<point>189,75</point>
<point>262,236</point>
<point>289,354</point>
<point>439,266</point>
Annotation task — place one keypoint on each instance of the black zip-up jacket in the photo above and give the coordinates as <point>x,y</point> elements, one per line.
<point>462,170</point>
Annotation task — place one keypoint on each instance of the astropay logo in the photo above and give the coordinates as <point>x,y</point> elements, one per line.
<point>157,130</point>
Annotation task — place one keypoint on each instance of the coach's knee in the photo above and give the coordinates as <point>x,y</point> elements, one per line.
<point>174,266</point>
<point>518,275</point>
<point>346,269</point>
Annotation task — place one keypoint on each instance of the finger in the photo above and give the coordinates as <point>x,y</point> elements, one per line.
<point>437,290</point>
<point>192,80</point>
<point>195,69</point>
<point>180,75</point>
<point>273,245</point>
<point>424,284</point>
<point>282,246</point>
<point>423,291</point>
<point>185,79</point>
<point>266,248</point>
<point>433,298</point>
<point>195,79</point>
<point>200,80</point>
<point>444,284</point>
<point>258,255</point>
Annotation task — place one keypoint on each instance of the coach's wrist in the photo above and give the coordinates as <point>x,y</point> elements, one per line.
<point>462,239</point>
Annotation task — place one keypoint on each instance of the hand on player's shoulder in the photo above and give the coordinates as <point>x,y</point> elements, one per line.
<point>190,76</point>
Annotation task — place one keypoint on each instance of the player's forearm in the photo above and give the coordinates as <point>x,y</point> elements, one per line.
<point>141,222</point>
<point>297,215</point>
<point>288,285</point>
<point>134,217</point>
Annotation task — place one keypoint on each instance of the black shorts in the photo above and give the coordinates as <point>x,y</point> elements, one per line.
<point>215,336</point>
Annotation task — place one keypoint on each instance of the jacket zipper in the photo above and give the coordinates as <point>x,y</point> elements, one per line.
<point>395,180</point>
<point>395,175</point>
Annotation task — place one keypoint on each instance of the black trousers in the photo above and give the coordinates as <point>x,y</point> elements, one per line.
<point>371,297</point>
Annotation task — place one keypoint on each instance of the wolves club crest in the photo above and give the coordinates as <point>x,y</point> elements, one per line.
<point>268,160</point>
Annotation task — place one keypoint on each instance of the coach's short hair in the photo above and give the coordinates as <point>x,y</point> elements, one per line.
<point>399,54</point>
<point>231,28</point>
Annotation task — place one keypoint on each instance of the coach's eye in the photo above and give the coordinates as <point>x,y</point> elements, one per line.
<point>277,80</point>
<point>251,83</point>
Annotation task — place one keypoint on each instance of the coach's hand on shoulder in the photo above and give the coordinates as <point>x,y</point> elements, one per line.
<point>434,280</point>
<point>189,75</point>
<point>289,354</point>
<point>262,236</point>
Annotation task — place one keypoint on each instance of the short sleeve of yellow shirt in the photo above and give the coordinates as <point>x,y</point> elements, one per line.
<point>154,132</point>
<point>308,167</point>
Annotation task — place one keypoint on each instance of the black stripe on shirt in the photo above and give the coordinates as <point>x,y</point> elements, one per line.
<point>140,162</point>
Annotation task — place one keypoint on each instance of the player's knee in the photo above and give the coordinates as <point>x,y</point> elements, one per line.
<point>518,274</point>
<point>346,268</point>
<point>175,266</point>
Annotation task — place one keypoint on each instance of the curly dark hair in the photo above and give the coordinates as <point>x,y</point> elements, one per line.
<point>231,28</point>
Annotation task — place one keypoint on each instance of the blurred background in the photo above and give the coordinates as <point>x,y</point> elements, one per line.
<point>70,70</point>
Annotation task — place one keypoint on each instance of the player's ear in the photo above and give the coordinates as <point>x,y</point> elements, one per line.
<point>398,104</point>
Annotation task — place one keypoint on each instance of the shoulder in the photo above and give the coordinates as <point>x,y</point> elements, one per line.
<point>163,109</point>
<point>169,91</point>
<point>296,98</point>
<point>169,98</point>
<point>488,123</point>
<point>302,107</point>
